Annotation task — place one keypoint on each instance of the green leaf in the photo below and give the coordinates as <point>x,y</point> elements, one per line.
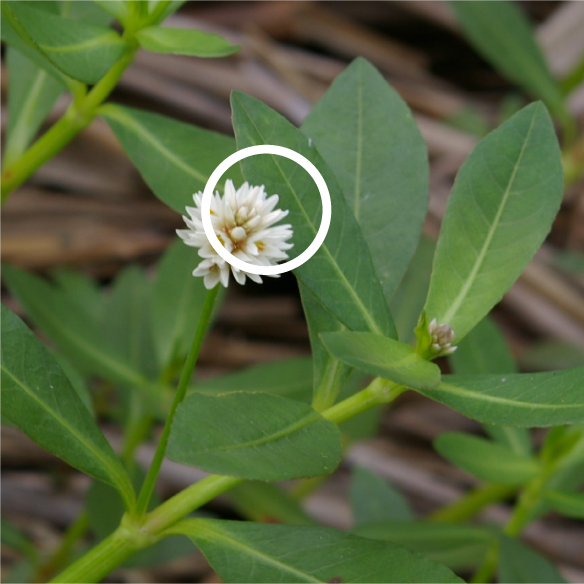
<point>254,436</point>
<point>127,324</point>
<point>409,298</point>
<point>502,206</point>
<point>367,135</point>
<point>565,446</point>
<point>25,45</point>
<point>80,290</point>
<point>329,373</point>
<point>184,41</point>
<point>527,400</point>
<point>455,545</point>
<point>76,332</point>
<point>38,398</point>
<point>175,159</point>
<point>171,8</point>
<point>502,34</point>
<point>35,87</point>
<point>366,424</point>
<point>387,358</point>
<point>176,302</point>
<point>21,571</point>
<point>516,439</point>
<point>343,282</point>
<point>373,499</point>
<point>117,8</point>
<point>520,563</point>
<point>13,538</point>
<point>255,552</point>
<point>568,504</point>
<point>484,350</point>
<point>487,460</point>
<point>291,378</point>
<point>83,11</point>
<point>32,92</point>
<point>268,503</point>
<point>80,50</point>
<point>77,382</point>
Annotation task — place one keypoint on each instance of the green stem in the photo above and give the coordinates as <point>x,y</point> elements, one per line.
<point>113,551</point>
<point>523,510</point>
<point>188,500</point>
<point>472,503</point>
<point>330,384</point>
<point>379,391</point>
<point>75,532</point>
<point>573,78</point>
<point>150,480</point>
<point>573,162</point>
<point>522,514</point>
<point>134,535</point>
<point>77,117</point>
<point>487,568</point>
<point>158,12</point>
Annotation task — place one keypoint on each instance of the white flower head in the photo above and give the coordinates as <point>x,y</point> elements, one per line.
<point>244,222</point>
<point>442,337</point>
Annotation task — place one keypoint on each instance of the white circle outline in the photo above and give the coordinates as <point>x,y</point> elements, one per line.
<point>278,151</point>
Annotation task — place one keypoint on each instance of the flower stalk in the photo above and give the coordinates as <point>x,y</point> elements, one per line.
<point>150,480</point>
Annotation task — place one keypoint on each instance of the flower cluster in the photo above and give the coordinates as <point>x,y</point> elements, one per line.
<point>243,221</point>
<point>442,337</point>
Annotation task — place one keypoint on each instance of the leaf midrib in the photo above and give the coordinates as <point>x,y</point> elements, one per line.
<point>106,462</point>
<point>27,109</point>
<point>129,375</point>
<point>283,433</point>
<point>226,539</point>
<point>121,116</point>
<point>461,391</point>
<point>370,321</point>
<point>447,318</point>
<point>359,153</point>
<point>109,38</point>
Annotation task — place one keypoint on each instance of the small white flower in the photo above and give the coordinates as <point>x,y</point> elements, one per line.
<point>243,221</point>
<point>442,337</point>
